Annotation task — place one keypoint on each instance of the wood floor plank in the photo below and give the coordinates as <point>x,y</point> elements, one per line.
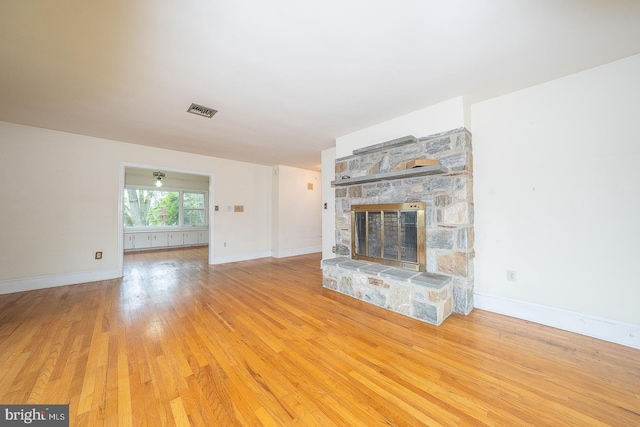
<point>123,396</point>
<point>179,342</point>
<point>179,413</point>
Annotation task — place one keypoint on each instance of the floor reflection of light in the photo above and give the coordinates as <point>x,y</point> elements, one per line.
<point>143,287</point>
<point>131,295</point>
<point>154,329</point>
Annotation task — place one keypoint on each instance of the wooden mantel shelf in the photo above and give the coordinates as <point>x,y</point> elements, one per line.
<point>400,174</point>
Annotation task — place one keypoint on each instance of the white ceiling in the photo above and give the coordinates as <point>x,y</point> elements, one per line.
<point>287,76</point>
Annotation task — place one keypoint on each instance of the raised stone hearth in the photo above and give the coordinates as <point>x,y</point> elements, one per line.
<point>382,174</point>
<point>423,296</point>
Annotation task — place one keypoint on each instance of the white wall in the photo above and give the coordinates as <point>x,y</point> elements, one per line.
<point>557,197</point>
<point>60,201</point>
<point>447,115</point>
<point>297,223</point>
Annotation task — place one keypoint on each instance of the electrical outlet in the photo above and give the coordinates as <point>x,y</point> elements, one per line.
<point>511,276</point>
<point>98,255</point>
<point>333,249</point>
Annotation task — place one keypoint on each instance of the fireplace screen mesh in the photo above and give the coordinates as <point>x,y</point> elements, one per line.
<point>392,234</point>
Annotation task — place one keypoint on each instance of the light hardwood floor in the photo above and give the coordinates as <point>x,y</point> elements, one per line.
<point>179,342</point>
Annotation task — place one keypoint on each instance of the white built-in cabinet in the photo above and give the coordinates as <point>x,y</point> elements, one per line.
<point>190,238</point>
<point>144,240</point>
<point>137,241</point>
<point>203,237</point>
<point>175,238</point>
<point>159,240</point>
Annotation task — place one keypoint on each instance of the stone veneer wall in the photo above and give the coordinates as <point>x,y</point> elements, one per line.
<point>448,197</point>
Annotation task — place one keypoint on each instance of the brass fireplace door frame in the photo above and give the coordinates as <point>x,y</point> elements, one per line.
<point>397,208</point>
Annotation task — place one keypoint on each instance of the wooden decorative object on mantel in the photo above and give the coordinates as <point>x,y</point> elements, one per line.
<point>422,162</point>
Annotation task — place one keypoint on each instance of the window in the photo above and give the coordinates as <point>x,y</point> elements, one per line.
<point>193,209</point>
<point>163,208</point>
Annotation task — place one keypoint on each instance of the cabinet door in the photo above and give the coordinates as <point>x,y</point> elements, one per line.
<point>159,240</point>
<point>190,237</point>
<point>128,241</point>
<point>175,238</point>
<point>142,240</point>
<point>203,236</point>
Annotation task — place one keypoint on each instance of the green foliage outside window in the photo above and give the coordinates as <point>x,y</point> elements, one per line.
<point>158,208</point>
<point>194,209</point>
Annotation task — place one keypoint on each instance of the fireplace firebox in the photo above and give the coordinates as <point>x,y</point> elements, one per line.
<point>390,234</point>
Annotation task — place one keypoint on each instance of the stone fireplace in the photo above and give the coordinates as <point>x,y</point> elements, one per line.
<point>377,189</point>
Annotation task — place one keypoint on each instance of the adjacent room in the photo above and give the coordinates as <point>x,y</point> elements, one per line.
<point>293,213</point>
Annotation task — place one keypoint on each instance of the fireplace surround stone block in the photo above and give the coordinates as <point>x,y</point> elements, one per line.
<point>422,296</point>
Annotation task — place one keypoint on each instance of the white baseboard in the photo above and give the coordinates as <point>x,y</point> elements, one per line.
<point>296,252</point>
<point>241,257</point>
<point>42,282</point>
<point>626,334</point>
<point>271,254</point>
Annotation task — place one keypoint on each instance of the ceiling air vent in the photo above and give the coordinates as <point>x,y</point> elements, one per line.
<point>201,110</point>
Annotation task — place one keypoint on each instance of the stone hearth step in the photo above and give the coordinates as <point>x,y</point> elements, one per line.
<point>422,296</point>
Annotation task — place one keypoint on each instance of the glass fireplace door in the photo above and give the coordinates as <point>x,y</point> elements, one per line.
<point>392,234</point>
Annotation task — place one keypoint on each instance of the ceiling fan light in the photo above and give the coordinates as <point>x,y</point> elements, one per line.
<point>159,175</point>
